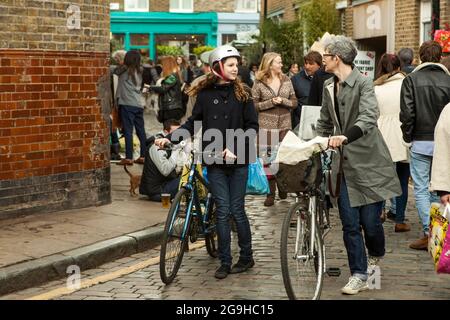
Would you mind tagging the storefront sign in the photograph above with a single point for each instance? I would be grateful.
(365, 62)
(371, 19)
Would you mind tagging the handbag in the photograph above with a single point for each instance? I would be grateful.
(257, 183)
(439, 238)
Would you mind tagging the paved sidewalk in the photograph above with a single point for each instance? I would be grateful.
(38, 247)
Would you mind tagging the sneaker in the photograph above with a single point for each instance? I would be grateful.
(421, 244)
(242, 266)
(222, 272)
(354, 286)
(373, 261)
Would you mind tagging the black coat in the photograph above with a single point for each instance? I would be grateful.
(316, 91)
(171, 99)
(302, 85)
(218, 108)
(425, 92)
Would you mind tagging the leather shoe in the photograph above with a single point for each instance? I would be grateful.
(421, 244)
(139, 160)
(270, 201)
(222, 272)
(242, 266)
(402, 227)
(123, 162)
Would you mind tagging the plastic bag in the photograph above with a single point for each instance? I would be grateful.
(257, 181)
(439, 239)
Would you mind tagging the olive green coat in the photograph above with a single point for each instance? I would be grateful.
(368, 168)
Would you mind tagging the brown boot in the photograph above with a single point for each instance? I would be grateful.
(270, 199)
(402, 227)
(421, 244)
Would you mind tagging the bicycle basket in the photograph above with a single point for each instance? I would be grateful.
(303, 176)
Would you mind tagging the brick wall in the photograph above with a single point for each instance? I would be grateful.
(445, 13)
(286, 5)
(54, 106)
(407, 25)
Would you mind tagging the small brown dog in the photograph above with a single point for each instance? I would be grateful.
(135, 181)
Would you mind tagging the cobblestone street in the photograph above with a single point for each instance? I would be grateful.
(406, 274)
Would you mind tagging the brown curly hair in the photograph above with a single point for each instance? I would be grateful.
(241, 90)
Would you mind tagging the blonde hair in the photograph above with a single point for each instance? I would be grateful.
(170, 66)
(264, 72)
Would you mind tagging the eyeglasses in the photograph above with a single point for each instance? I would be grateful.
(328, 55)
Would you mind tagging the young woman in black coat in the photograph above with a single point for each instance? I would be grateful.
(224, 108)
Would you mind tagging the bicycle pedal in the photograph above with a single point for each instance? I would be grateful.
(334, 272)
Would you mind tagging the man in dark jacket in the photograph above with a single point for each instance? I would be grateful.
(159, 174)
(406, 56)
(316, 91)
(302, 82)
(424, 94)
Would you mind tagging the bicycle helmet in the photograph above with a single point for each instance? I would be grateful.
(220, 53)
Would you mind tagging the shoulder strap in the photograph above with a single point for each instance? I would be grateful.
(337, 190)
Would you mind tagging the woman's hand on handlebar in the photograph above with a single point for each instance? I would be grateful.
(161, 142)
(337, 141)
(228, 155)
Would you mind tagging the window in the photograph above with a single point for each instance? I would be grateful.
(425, 20)
(136, 5)
(181, 6)
(139, 39)
(246, 6)
(227, 38)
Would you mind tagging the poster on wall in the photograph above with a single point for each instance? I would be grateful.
(365, 62)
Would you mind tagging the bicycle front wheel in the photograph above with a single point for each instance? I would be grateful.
(301, 265)
(175, 237)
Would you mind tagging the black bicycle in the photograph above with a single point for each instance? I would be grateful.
(191, 216)
(304, 228)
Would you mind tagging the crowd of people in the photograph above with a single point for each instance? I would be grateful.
(394, 128)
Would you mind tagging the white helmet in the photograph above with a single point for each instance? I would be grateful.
(222, 52)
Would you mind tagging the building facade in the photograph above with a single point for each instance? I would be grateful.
(54, 105)
(143, 24)
(378, 25)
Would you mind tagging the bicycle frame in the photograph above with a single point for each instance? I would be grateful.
(195, 177)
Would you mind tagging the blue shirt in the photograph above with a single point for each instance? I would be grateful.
(423, 147)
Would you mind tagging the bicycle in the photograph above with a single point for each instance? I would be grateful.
(305, 226)
(190, 217)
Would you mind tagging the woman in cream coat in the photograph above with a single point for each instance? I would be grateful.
(387, 90)
(440, 170)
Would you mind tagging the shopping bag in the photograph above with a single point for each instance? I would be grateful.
(439, 238)
(256, 180)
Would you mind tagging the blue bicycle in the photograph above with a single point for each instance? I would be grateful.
(190, 217)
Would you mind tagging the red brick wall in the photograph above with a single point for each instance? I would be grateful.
(50, 116)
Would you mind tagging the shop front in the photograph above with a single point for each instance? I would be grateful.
(143, 31)
(374, 28)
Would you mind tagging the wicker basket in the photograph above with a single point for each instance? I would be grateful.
(303, 176)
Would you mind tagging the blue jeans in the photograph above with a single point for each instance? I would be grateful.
(421, 174)
(170, 187)
(353, 218)
(228, 189)
(133, 117)
(398, 204)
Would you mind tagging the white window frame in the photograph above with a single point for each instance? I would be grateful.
(127, 7)
(179, 9)
(425, 17)
(242, 9)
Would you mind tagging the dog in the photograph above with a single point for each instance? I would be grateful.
(135, 181)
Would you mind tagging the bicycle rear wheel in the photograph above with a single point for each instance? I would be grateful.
(174, 242)
(301, 266)
(211, 238)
